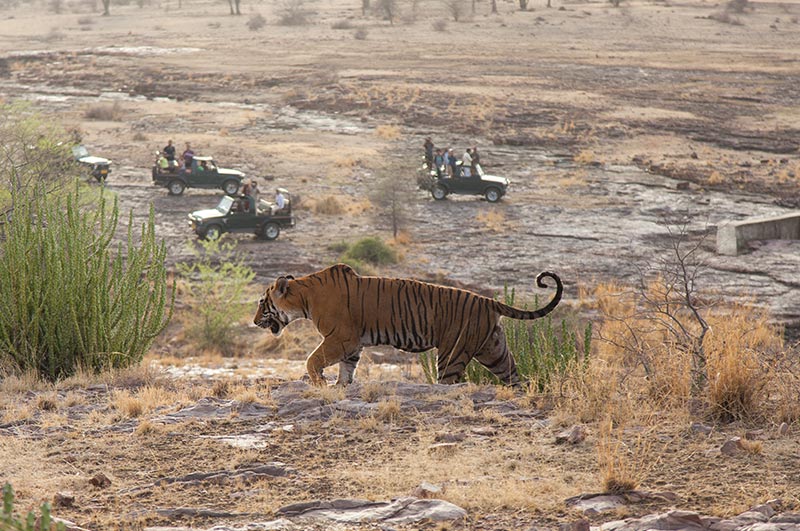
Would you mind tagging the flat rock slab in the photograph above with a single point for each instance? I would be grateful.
(397, 511)
(216, 409)
(753, 520)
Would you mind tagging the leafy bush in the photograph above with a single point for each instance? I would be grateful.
(371, 250)
(9, 522)
(217, 280)
(541, 350)
(67, 300)
(256, 22)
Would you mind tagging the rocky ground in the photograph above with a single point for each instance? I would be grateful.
(391, 455)
(615, 126)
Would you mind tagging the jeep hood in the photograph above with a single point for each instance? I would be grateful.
(205, 215)
(94, 160)
(495, 179)
(232, 173)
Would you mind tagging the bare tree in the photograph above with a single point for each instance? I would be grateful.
(669, 306)
(456, 8)
(392, 195)
(234, 5)
(388, 8)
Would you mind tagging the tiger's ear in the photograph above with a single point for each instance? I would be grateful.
(282, 285)
(289, 277)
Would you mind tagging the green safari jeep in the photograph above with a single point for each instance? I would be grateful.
(242, 213)
(203, 173)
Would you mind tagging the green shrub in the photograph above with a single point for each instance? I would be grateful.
(9, 522)
(371, 250)
(217, 281)
(541, 350)
(68, 298)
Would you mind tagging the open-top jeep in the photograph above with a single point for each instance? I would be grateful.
(242, 213)
(98, 167)
(466, 180)
(203, 173)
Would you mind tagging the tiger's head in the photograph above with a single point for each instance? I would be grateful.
(279, 306)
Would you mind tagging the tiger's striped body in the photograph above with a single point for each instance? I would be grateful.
(351, 312)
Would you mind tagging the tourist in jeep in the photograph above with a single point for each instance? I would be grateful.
(188, 156)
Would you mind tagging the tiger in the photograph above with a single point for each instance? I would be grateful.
(351, 311)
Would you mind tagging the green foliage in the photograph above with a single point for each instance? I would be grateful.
(543, 351)
(9, 522)
(36, 153)
(68, 299)
(217, 281)
(372, 251)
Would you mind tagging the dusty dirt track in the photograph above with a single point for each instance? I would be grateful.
(608, 122)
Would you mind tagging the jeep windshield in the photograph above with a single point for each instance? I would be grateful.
(225, 204)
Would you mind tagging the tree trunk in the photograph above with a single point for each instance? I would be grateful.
(548, 3)
(364, 7)
(106, 6)
(473, 7)
(494, 7)
(523, 5)
(238, 12)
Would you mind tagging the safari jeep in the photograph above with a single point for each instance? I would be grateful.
(465, 181)
(98, 167)
(203, 173)
(241, 213)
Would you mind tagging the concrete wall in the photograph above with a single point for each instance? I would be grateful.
(733, 237)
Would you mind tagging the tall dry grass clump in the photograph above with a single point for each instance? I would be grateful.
(745, 356)
(740, 349)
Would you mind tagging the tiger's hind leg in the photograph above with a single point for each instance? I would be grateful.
(495, 356)
(347, 367)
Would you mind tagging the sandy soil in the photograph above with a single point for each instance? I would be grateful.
(608, 121)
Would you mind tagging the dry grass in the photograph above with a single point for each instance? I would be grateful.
(586, 157)
(493, 221)
(388, 132)
(328, 394)
(329, 206)
(145, 400)
(389, 410)
(716, 178)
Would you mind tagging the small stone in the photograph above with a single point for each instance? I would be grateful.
(783, 429)
(574, 435)
(449, 437)
(580, 525)
(682, 185)
(732, 447)
(754, 435)
(64, 499)
(766, 509)
(100, 481)
(427, 490)
(698, 427)
(485, 431)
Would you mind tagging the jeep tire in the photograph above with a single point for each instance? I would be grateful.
(230, 187)
(438, 192)
(176, 187)
(492, 194)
